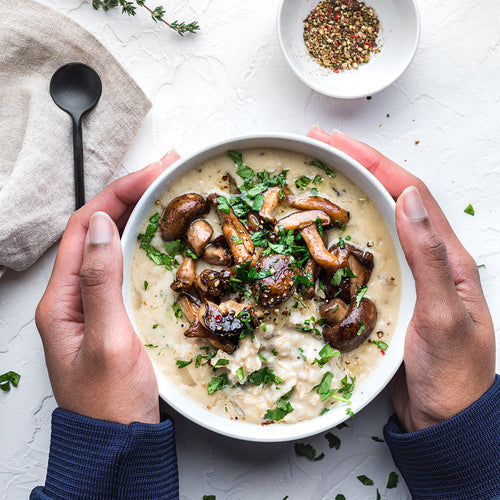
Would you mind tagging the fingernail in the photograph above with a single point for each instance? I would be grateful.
(100, 229)
(336, 131)
(414, 208)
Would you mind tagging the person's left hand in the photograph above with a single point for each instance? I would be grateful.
(97, 365)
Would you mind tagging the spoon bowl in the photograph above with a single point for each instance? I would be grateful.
(76, 88)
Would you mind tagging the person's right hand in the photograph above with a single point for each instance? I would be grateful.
(449, 359)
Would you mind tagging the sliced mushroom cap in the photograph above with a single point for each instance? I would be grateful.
(317, 249)
(179, 214)
(310, 202)
(355, 328)
(278, 286)
(361, 264)
(212, 285)
(270, 203)
(333, 312)
(185, 276)
(300, 220)
(198, 236)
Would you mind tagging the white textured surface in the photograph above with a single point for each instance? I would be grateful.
(232, 79)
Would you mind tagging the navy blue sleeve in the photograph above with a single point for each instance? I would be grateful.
(455, 459)
(95, 459)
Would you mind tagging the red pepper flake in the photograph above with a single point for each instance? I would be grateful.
(218, 318)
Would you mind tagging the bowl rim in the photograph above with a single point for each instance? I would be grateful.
(337, 95)
(386, 367)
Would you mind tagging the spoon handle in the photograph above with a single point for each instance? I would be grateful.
(78, 163)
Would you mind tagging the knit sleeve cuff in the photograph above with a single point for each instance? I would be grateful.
(96, 459)
(458, 458)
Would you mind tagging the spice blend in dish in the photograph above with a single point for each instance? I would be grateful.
(265, 285)
(341, 34)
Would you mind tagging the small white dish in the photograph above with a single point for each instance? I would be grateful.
(389, 363)
(398, 40)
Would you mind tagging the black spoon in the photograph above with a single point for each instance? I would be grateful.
(76, 89)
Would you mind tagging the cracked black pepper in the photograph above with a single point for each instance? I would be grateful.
(341, 34)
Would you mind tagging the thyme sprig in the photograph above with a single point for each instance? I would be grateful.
(157, 14)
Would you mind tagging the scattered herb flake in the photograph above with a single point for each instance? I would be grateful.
(177, 310)
(365, 480)
(146, 284)
(333, 440)
(239, 374)
(339, 497)
(306, 450)
(361, 294)
(217, 383)
(469, 209)
(392, 480)
(377, 439)
(9, 378)
(303, 182)
(322, 166)
(181, 364)
(282, 409)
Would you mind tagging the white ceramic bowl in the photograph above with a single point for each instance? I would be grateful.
(388, 365)
(398, 38)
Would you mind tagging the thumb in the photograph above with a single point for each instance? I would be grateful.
(425, 251)
(101, 278)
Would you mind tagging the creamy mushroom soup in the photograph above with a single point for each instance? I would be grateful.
(265, 286)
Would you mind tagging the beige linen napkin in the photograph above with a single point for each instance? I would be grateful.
(36, 143)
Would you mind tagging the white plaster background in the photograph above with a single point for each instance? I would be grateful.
(231, 79)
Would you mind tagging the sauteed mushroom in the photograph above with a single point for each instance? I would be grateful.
(333, 312)
(217, 255)
(361, 264)
(300, 220)
(355, 328)
(185, 276)
(309, 202)
(270, 203)
(317, 248)
(237, 237)
(311, 271)
(211, 284)
(198, 235)
(278, 286)
(229, 319)
(179, 214)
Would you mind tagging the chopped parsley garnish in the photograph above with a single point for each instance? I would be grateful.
(174, 247)
(314, 192)
(182, 364)
(264, 376)
(339, 497)
(301, 353)
(343, 272)
(146, 284)
(274, 352)
(323, 388)
(282, 409)
(258, 202)
(349, 412)
(327, 352)
(303, 279)
(342, 425)
(361, 294)
(155, 326)
(207, 357)
(347, 386)
(317, 179)
(209, 497)
(333, 440)
(469, 209)
(377, 439)
(319, 226)
(365, 480)
(361, 327)
(261, 356)
(380, 344)
(223, 204)
(323, 411)
(306, 450)
(217, 383)
(9, 378)
(152, 346)
(303, 182)
(222, 362)
(322, 166)
(392, 480)
(177, 310)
